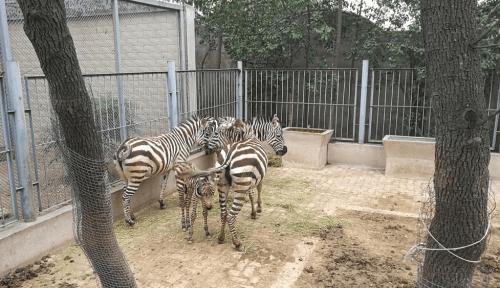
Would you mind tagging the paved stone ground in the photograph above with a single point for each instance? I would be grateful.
(276, 260)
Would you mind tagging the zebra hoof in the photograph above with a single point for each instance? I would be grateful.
(162, 204)
(190, 241)
(184, 229)
(220, 241)
(131, 223)
(259, 210)
(253, 215)
(239, 247)
(208, 235)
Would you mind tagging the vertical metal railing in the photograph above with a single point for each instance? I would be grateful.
(308, 98)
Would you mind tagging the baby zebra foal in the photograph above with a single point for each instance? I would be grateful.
(200, 188)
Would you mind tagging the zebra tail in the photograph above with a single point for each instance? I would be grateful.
(123, 152)
(192, 173)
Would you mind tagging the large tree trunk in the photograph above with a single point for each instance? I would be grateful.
(46, 27)
(462, 143)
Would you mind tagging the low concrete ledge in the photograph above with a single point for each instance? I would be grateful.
(353, 154)
(409, 157)
(23, 243)
(307, 148)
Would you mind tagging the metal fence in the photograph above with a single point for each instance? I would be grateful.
(399, 105)
(314, 98)
(208, 92)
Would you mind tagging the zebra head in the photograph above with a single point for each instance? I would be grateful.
(229, 130)
(273, 134)
(207, 126)
(206, 189)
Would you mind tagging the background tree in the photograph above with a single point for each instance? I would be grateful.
(46, 27)
(461, 179)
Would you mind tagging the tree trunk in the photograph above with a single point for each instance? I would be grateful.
(46, 27)
(339, 35)
(462, 143)
(219, 40)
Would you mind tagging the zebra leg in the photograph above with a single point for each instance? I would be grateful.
(193, 218)
(253, 214)
(259, 201)
(163, 188)
(238, 201)
(223, 211)
(181, 190)
(205, 222)
(127, 195)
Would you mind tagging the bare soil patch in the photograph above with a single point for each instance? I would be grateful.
(331, 228)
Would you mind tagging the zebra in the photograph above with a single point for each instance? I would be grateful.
(265, 129)
(200, 188)
(140, 158)
(244, 164)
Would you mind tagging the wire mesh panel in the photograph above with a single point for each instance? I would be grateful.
(8, 208)
(314, 98)
(145, 107)
(215, 92)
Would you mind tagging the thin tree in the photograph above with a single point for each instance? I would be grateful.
(219, 31)
(339, 34)
(46, 27)
(461, 176)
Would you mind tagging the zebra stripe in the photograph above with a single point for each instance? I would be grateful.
(265, 129)
(244, 164)
(138, 159)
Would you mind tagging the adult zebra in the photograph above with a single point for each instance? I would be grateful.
(245, 165)
(140, 158)
(265, 129)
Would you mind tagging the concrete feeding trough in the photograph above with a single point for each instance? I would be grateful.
(409, 157)
(307, 148)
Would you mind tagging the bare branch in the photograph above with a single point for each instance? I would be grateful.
(485, 32)
(492, 116)
(486, 46)
(493, 11)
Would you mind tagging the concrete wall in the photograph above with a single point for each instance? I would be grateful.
(353, 154)
(25, 242)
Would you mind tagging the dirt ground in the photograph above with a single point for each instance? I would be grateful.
(337, 227)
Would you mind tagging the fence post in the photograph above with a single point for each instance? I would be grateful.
(173, 110)
(16, 112)
(239, 93)
(119, 79)
(362, 107)
(245, 102)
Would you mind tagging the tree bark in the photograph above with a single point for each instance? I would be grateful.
(339, 35)
(219, 40)
(46, 27)
(461, 176)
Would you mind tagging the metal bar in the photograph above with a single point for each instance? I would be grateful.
(173, 109)
(371, 107)
(156, 4)
(496, 119)
(33, 145)
(362, 109)
(245, 103)
(119, 80)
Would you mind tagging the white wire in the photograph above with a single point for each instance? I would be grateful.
(421, 246)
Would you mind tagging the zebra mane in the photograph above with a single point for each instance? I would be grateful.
(262, 119)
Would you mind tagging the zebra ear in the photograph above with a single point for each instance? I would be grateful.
(275, 120)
